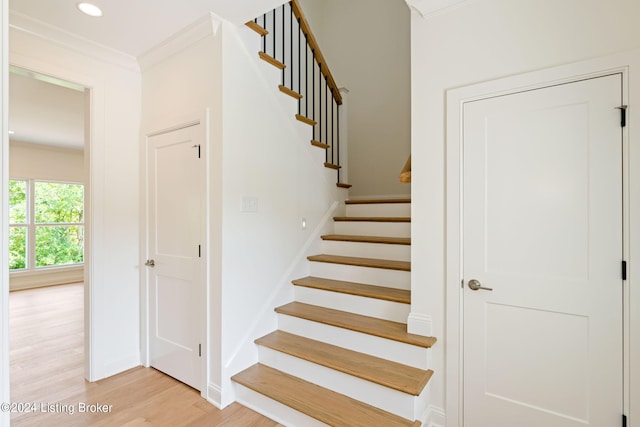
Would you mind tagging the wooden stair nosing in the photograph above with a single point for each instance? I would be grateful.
(385, 264)
(319, 144)
(367, 239)
(402, 296)
(306, 120)
(271, 60)
(401, 219)
(343, 185)
(317, 402)
(257, 28)
(396, 376)
(287, 91)
(394, 331)
(375, 201)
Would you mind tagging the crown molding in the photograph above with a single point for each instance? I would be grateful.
(203, 27)
(430, 8)
(71, 41)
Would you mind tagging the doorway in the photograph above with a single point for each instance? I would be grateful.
(49, 177)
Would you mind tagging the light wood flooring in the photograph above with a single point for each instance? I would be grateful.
(47, 369)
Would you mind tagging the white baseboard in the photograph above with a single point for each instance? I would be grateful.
(420, 324)
(21, 280)
(434, 417)
(381, 196)
(214, 395)
(117, 366)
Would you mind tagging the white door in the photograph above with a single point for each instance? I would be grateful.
(542, 227)
(175, 265)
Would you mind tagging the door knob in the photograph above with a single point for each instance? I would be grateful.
(475, 285)
(150, 263)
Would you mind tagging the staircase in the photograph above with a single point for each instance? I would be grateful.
(342, 355)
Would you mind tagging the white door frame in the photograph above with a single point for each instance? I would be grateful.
(202, 119)
(629, 65)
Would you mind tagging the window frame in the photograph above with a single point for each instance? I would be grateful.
(31, 225)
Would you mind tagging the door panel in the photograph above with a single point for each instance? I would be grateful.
(176, 290)
(542, 227)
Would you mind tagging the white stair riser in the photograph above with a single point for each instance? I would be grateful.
(379, 209)
(370, 228)
(385, 398)
(373, 276)
(367, 250)
(388, 310)
(274, 410)
(406, 354)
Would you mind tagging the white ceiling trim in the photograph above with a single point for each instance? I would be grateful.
(26, 24)
(195, 32)
(430, 8)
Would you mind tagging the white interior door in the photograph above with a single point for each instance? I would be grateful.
(542, 227)
(175, 265)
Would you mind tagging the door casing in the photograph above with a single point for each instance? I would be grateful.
(456, 98)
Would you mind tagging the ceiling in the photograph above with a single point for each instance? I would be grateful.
(52, 114)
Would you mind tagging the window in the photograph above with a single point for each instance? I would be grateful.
(46, 224)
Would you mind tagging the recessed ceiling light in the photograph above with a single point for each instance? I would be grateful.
(90, 9)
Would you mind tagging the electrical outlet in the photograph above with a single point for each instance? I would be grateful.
(249, 204)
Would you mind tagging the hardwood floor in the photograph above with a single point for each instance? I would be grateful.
(47, 373)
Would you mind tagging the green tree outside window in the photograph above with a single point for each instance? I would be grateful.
(57, 229)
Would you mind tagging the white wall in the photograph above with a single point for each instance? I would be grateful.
(367, 46)
(112, 217)
(33, 161)
(266, 154)
(4, 209)
(480, 41)
(256, 149)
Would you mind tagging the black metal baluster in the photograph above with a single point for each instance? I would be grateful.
(338, 137)
(326, 113)
(332, 129)
(320, 103)
(283, 46)
(264, 39)
(291, 46)
(273, 37)
(313, 86)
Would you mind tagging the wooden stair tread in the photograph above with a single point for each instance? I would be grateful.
(386, 264)
(287, 91)
(368, 239)
(373, 218)
(317, 402)
(344, 185)
(359, 289)
(375, 201)
(368, 325)
(257, 28)
(271, 60)
(319, 144)
(331, 165)
(406, 379)
(306, 120)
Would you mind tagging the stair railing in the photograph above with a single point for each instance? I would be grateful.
(305, 75)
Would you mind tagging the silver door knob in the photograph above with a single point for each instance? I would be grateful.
(150, 263)
(475, 285)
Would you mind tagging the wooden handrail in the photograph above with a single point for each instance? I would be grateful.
(313, 44)
(405, 175)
